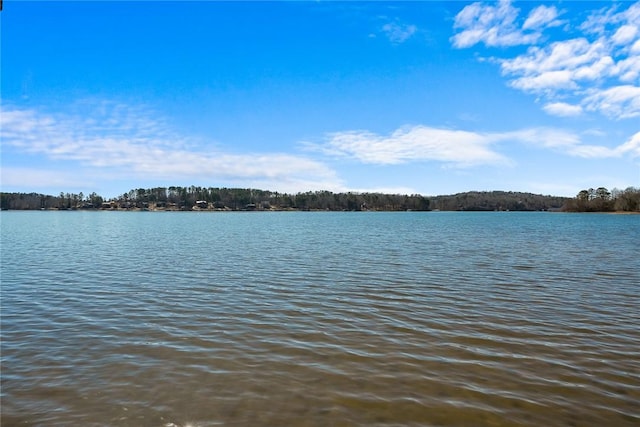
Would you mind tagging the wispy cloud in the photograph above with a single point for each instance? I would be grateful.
(129, 141)
(397, 32)
(499, 25)
(459, 148)
(617, 102)
(571, 144)
(598, 72)
(542, 17)
(562, 109)
(418, 143)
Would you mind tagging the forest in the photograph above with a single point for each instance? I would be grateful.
(236, 199)
(202, 198)
(603, 200)
(497, 201)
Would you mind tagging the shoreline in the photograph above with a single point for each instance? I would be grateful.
(219, 210)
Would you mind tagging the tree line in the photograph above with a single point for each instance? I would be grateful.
(188, 198)
(497, 201)
(210, 198)
(603, 200)
(29, 201)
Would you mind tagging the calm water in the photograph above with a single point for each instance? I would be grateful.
(320, 319)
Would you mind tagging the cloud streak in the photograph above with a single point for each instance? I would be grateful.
(458, 148)
(127, 141)
(562, 109)
(411, 144)
(114, 142)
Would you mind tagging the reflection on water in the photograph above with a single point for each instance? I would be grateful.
(320, 319)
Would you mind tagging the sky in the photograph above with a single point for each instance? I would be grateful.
(417, 97)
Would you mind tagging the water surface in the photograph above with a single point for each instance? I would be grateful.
(320, 319)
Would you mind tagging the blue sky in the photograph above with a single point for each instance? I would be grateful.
(399, 97)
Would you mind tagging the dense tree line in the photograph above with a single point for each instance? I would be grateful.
(497, 201)
(241, 198)
(603, 200)
(186, 198)
(22, 201)
(194, 197)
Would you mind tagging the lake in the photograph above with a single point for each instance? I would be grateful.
(320, 319)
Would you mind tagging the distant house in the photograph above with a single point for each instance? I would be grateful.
(106, 205)
(202, 204)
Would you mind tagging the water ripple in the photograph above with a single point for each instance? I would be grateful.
(425, 319)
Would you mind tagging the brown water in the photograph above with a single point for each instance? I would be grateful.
(320, 319)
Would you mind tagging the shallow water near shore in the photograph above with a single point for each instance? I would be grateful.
(320, 319)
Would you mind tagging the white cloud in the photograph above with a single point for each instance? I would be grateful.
(594, 71)
(617, 102)
(571, 144)
(128, 142)
(562, 109)
(542, 137)
(600, 21)
(546, 81)
(399, 33)
(628, 69)
(599, 71)
(542, 16)
(630, 147)
(559, 66)
(112, 142)
(498, 26)
(418, 143)
(625, 34)
(457, 147)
